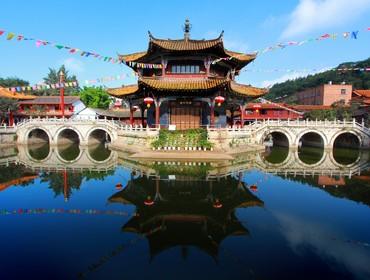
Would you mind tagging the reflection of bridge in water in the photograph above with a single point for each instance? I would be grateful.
(82, 158)
(85, 158)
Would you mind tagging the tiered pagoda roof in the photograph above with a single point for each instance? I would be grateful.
(187, 85)
(192, 220)
(221, 67)
(213, 46)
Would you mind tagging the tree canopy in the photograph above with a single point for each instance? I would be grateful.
(12, 82)
(359, 80)
(95, 97)
(53, 78)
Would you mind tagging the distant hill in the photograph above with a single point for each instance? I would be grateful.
(359, 80)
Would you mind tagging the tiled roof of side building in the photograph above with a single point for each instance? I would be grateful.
(5, 93)
(43, 100)
(362, 92)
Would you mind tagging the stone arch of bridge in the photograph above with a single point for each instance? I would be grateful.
(313, 165)
(97, 161)
(340, 165)
(283, 164)
(63, 128)
(64, 161)
(34, 128)
(32, 159)
(110, 132)
(341, 132)
(314, 131)
(276, 130)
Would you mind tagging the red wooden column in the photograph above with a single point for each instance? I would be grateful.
(242, 111)
(157, 109)
(11, 118)
(61, 91)
(212, 116)
(131, 115)
(65, 186)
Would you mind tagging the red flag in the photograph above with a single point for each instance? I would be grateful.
(2, 32)
(325, 36)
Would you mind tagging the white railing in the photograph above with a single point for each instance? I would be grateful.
(294, 123)
(7, 129)
(73, 121)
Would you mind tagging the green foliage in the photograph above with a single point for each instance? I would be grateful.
(182, 138)
(95, 97)
(12, 82)
(53, 78)
(338, 111)
(196, 170)
(359, 80)
(7, 104)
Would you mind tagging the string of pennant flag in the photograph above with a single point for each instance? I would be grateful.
(43, 86)
(345, 35)
(71, 84)
(313, 70)
(133, 74)
(72, 50)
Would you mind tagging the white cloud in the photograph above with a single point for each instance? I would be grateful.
(303, 234)
(314, 15)
(74, 65)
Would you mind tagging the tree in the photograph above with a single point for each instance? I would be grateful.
(6, 105)
(95, 97)
(53, 78)
(359, 80)
(12, 82)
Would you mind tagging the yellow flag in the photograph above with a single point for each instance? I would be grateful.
(10, 36)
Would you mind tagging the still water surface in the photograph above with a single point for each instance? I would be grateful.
(74, 213)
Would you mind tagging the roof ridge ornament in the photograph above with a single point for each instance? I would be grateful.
(187, 27)
(221, 35)
(151, 37)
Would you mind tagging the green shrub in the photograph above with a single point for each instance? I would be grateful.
(180, 138)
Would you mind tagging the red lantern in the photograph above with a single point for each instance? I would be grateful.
(149, 201)
(219, 100)
(253, 188)
(148, 101)
(217, 204)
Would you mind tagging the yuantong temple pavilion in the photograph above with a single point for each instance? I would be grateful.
(187, 83)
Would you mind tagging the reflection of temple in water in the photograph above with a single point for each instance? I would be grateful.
(185, 211)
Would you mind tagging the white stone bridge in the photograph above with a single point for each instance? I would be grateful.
(293, 133)
(290, 133)
(85, 132)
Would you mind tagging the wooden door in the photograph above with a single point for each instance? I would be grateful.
(185, 117)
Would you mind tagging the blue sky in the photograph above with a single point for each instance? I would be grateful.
(110, 27)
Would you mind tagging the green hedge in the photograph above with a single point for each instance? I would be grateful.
(182, 138)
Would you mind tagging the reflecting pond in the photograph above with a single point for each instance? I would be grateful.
(73, 212)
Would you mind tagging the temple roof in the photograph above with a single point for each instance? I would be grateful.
(187, 85)
(214, 47)
(5, 93)
(186, 44)
(45, 100)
